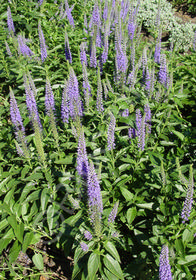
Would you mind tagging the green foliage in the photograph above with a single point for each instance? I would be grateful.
(42, 195)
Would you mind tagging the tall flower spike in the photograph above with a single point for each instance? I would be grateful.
(157, 53)
(10, 22)
(147, 111)
(15, 113)
(42, 43)
(31, 103)
(83, 57)
(99, 104)
(163, 75)
(111, 130)
(88, 235)
(75, 103)
(96, 16)
(164, 266)
(94, 198)
(23, 48)
(49, 98)
(86, 86)
(113, 213)
(50, 109)
(140, 124)
(19, 128)
(194, 41)
(93, 59)
(65, 106)
(186, 211)
(82, 159)
(8, 49)
(67, 49)
(69, 15)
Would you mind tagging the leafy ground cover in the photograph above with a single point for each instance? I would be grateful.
(97, 144)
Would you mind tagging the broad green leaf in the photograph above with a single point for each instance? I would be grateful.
(127, 194)
(188, 260)
(93, 265)
(179, 246)
(27, 241)
(110, 247)
(50, 216)
(38, 261)
(44, 199)
(113, 266)
(19, 231)
(14, 251)
(145, 205)
(187, 236)
(131, 214)
(109, 275)
(178, 134)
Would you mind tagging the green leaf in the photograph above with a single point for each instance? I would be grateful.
(36, 176)
(19, 231)
(167, 143)
(25, 170)
(127, 194)
(14, 252)
(109, 246)
(38, 261)
(146, 205)
(93, 265)
(113, 266)
(44, 199)
(110, 275)
(188, 260)
(131, 214)
(50, 215)
(178, 134)
(67, 160)
(187, 236)
(27, 241)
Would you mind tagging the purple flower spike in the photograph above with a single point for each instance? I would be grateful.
(23, 48)
(140, 124)
(15, 113)
(67, 49)
(125, 113)
(84, 246)
(49, 98)
(86, 85)
(94, 194)
(186, 211)
(8, 49)
(65, 106)
(93, 59)
(42, 43)
(75, 103)
(113, 213)
(96, 16)
(105, 10)
(82, 159)
(69, 15)
(10, 22)
(164, 266)
(99, 104)
(111, 130)
(147, 118)
(163, 76)
(83, 57)
(194, 41)
(88, 235)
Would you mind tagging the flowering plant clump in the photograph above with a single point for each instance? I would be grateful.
(96, 140)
